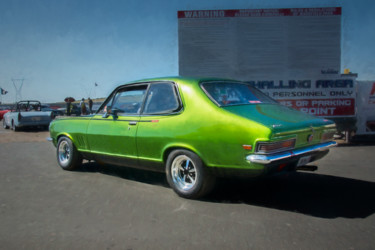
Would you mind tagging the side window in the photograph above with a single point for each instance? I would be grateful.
(161, 99)
(127, 101)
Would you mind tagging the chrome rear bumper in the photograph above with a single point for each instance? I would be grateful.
(266, 159)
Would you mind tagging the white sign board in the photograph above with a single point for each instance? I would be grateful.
(260, 44)
(293, 55)
(325, 96)
(366, 107)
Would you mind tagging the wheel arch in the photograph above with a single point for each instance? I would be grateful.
(167, 150)
(64, 135)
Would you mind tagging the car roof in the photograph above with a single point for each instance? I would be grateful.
(185, 79)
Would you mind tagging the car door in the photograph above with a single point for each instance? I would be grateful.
(111, 132)
(160, 123)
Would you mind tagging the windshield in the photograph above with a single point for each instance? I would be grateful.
(28, 106)
(234, 93)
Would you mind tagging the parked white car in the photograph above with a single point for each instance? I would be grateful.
(27, 114)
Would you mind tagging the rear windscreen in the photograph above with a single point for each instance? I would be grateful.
(234, 93)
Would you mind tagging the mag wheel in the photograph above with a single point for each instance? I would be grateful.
(68, 156)
(187, 175)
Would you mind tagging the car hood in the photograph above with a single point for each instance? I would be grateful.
(277, 117)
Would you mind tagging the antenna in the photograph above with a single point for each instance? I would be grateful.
(18, 88)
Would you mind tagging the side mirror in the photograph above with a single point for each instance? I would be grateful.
(112, 112)
(106, 114)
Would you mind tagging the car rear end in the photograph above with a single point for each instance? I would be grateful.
(289, 139)
(37, 118)
(291, 150)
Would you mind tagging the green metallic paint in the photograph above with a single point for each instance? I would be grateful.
(215, 134)
(113, 136)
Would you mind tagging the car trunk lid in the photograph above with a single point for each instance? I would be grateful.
(284, 121)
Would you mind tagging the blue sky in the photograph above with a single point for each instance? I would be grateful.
(63, 47)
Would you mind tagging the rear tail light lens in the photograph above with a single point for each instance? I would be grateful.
(272, 147)
(19, 116)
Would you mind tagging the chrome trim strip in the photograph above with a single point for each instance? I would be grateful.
(266, 159)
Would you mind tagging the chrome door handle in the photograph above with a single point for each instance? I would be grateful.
(132, 123)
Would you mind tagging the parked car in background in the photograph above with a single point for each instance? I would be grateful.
(95, 107)
(27, 114)
(76, 110)
(193, 129)
(55, 111)
(3, 112)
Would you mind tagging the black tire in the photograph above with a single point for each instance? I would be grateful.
(5, 126)
(187, 175)
(14, 127)
(67, 154)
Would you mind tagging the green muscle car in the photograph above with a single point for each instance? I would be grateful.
(193, 129)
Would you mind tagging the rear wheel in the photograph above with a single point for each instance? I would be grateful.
(187, 175)
(5, 126)
(68, 156)
(14, 127)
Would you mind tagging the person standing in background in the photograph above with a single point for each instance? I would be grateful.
(83, 106)
(90, 105)
(68, 108)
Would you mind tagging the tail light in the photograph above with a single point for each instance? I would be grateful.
(19, 116)
(273, 147)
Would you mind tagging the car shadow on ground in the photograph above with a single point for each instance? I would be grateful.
(32, 129)
(358, 141)
(313, 194)
(357, 144)
(149, 177)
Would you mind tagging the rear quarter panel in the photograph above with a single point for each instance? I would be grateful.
(8, 117)
(215, 134)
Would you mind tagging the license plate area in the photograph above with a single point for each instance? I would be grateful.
(303, 160)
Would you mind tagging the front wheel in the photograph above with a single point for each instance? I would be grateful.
(187, 175)
(68, 156)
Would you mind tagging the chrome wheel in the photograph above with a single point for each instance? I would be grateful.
(64, 152)
(183, 172)
(68, 156)
(187, 174)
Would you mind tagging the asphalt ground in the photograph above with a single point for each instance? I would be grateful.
(107, 207)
